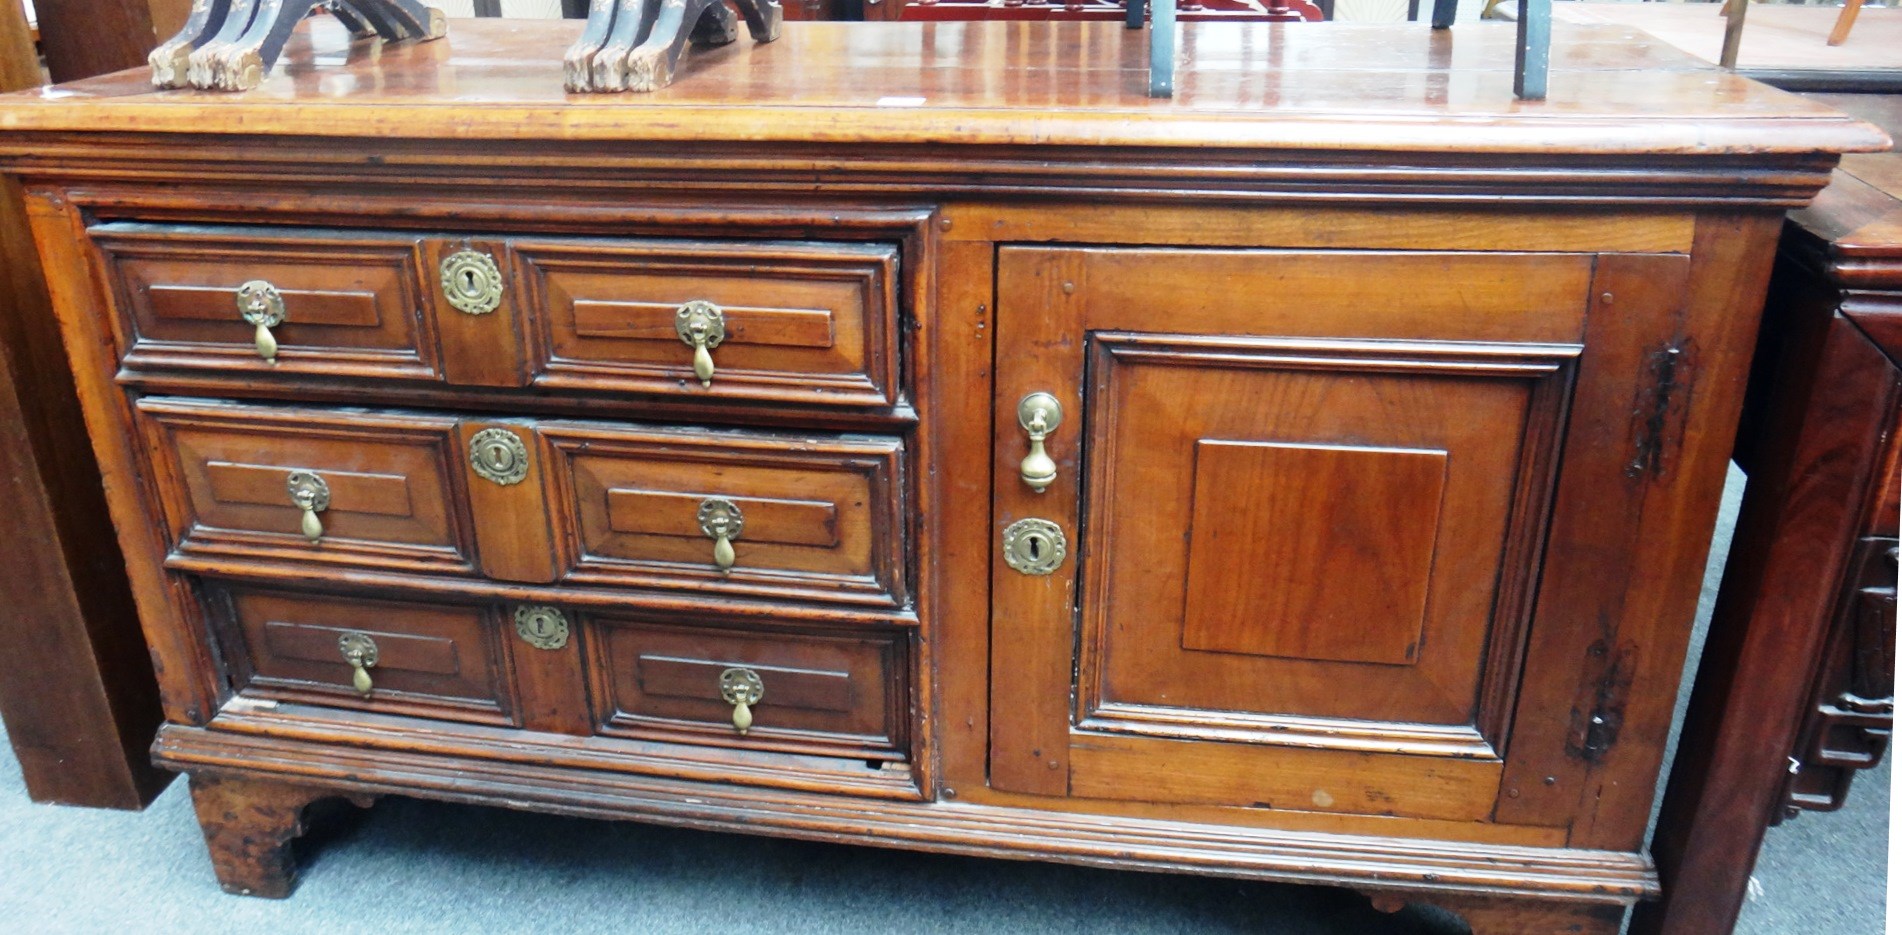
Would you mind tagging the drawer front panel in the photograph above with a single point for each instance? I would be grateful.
(352, 302)
(817, 518)
(805, 323)
(432, 660)
(393, 496)
(819, 692)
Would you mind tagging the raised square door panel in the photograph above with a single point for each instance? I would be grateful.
(436, 659)
(1304, 496)
(334, 486)
(822, 692)
(334, 303)
(1294, 518)
(751, 514)
(807, 323)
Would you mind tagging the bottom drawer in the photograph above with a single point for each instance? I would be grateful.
(831, 692)
(433, 660)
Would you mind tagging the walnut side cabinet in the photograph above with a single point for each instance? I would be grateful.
(914, 435)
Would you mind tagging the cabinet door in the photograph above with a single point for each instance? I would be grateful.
(1302, 497)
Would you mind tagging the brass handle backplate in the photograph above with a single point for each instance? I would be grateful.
(1039, 414)
(701, 326)
(721, 520)
(311, 494)
(260, 304)
(1034, 546)
(472, 282)
(742, 688)
(359, 650)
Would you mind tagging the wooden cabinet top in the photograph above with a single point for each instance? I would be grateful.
(1859, 216)
(1338, 87)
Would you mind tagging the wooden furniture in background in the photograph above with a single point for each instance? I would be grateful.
(78, 696)
(725, 460)
(82, 38)
(1793, 694)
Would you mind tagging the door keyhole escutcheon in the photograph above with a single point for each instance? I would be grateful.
(1034, 546)
(498, 456)
(472, 282)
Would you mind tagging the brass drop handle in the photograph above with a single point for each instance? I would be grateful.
(1039, 414)
(360, 651)
(722, 521)
(701, 326)
(311, 494)
(742, 688)
(260, 304)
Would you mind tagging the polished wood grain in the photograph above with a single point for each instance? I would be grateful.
(1496, 346)
(1082, 84)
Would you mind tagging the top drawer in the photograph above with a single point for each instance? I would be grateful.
(803, 324)
(337, 303)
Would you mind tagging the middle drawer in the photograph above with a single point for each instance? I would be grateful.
(770, 516)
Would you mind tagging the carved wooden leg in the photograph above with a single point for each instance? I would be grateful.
(1516, 916)
(763, 18)
(249, 825)
(633, 19)
(172, 58)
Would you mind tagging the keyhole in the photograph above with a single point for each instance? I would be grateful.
(469, 281)
(498, 457)
(1035, 545)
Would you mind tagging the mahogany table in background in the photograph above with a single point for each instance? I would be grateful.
(1794, 692)
(77, 693)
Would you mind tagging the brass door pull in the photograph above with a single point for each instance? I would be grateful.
(1039, 414)
(721, 520)
(701, 326)
(260, 304)
(742, 688)
(311, 494)
(360, 651)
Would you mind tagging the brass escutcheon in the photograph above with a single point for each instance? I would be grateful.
(359, 650)
(1034, 546)
(541, 626)
(722, 521)
(742, 688)
(311, 494)
(701, 326)
(498, 455)
(472, 282)
(260, 304)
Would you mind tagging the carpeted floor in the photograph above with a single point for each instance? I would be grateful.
(419, 867)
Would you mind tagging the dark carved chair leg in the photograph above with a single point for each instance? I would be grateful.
(249, 825)
(633, 21)
(652, 64)
(359, 27)
(578, 64)
(202, 68)
(172, 59)
(763, 18)
(1516, 916)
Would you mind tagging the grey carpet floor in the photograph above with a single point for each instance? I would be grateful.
(421, 867)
